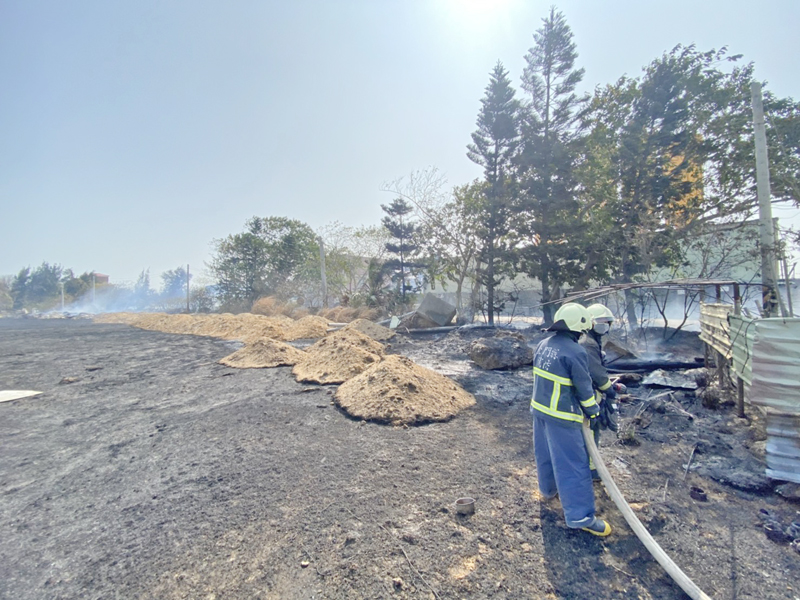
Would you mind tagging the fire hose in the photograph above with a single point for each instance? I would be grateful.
(672, 569)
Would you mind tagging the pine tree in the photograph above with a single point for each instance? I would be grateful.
(494, 145)
(402, 231)
(549, 209)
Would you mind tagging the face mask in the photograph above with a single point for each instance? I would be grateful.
(601, 328)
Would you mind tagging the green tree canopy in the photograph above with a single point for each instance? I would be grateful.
(402, 244)
(494, 145)
(270, 255)
(550, 217)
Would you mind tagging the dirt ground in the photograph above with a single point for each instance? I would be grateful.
(147, 469)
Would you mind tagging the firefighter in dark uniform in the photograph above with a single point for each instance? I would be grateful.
(592, 342)
(562, 397)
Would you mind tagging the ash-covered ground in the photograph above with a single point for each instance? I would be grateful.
(147, 469)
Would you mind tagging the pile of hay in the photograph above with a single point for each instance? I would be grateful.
(264, 354)
(271, 307)
(400, 392)
(373, 330)
(305, 328)
(338, 357)
(246, 327)
(346, 314)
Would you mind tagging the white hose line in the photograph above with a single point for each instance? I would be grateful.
(674, 571)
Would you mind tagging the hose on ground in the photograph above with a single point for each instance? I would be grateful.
(673, 570)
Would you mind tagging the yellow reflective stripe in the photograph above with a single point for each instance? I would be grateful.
(605, 386)
(551, 377)
(566, 416)
(588, 403)
(555, 396)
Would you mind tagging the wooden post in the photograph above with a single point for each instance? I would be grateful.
(740, 397)
(737, 310)
(705, 346)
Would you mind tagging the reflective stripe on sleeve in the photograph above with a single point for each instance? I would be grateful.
(605, 386)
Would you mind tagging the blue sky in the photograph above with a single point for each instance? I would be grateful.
(134, 133)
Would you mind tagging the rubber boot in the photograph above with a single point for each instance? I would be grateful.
(599, 527)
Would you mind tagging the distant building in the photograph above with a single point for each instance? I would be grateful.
(100, 278)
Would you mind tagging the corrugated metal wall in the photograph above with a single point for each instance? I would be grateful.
(742, 332)
(714, 328)
(765, 354)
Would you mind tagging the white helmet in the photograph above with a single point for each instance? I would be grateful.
(601, 313)
(602, 318)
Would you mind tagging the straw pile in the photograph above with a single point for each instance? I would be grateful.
(373, 330)
(246, 327)
(264, 354)
(400, 392)
(338, 357)
(307, 327)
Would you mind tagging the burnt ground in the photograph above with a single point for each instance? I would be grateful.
(159, 473)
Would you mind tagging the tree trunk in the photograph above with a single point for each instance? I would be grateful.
(490, 282)
(547, 309)
(630, 299)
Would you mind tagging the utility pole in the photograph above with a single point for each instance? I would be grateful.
(769, 287)
(322, 273)
(93, 288)
(62, 296)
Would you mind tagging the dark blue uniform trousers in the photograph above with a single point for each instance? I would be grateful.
(562, 464)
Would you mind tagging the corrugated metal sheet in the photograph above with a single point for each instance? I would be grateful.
(775, 385)
(783, 447)
(742, 333)
(766, 355)
(714, 327)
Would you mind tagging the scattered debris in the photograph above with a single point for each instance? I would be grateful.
(506, 350)
(94, 368)
(790, 491)
(682, 380)
(67, 380)
(698, 494)
(9, 395)
(436, 310)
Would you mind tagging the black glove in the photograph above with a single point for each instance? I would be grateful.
(608, 415)
(594, 422)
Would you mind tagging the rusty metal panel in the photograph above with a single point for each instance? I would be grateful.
(714, 328)
(742, 332)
